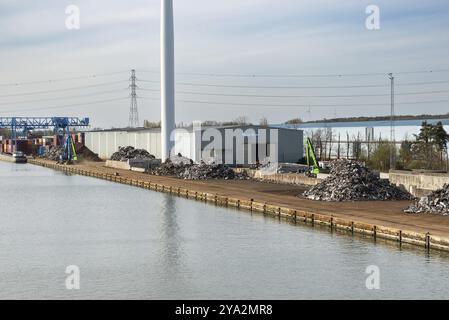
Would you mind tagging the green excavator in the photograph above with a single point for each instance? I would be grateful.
(312, 161)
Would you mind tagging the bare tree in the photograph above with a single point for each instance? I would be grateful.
(329, 140)
(294, 121)
(318, 141)
(150, 124)
(357, 147)
(347, 145)
(241, 121)
(338, 148)
(263, 122)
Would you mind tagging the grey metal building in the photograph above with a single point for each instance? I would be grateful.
(232, 144)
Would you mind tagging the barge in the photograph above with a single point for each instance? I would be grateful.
(16, 157)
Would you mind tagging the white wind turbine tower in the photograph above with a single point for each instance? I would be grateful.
(167, 77)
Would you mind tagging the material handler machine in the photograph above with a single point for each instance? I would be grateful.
(312, 162)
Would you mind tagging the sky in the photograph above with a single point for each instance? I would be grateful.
(277, 59)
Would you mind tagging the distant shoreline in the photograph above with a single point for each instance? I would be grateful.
(381, 118)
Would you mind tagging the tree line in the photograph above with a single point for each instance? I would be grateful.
(426, 150)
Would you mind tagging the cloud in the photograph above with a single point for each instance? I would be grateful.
(233, 36)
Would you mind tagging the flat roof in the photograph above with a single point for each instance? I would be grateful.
(191, 128)
(369, 123)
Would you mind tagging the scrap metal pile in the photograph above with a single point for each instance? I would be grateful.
(437, 202)
(204, 171)
(352, 181)
(184, 168)
(83, 153)
(172, 166)
(126, 153)
(54, 153)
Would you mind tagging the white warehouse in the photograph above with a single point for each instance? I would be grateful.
(232, 145)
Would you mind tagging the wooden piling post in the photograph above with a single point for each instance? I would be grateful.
(375, 233)
(428, 241)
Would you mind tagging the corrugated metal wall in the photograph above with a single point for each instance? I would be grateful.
(105, 143)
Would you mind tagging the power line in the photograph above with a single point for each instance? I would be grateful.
(64, 106)
(62, 90)
(269, 87)
(420, 92)
(197, 93)
(234, 75)
(302, 87)
(420, 102)
(50, 81)
(420, 83)
(61, 98)
(299, 105)
(423, 71)
(222, 103)
(338, 75)
(302, 96)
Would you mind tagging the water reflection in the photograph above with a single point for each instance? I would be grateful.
(172, 255)
(171, 243)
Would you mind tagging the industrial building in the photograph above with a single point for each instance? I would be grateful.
(225, 143)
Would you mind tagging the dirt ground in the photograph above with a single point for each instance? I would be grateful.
(382, 213)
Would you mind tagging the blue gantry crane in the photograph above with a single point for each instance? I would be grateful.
(21, 126)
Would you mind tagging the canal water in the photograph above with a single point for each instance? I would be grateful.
(130, 243)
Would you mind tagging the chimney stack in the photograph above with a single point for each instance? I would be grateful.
(167, 77)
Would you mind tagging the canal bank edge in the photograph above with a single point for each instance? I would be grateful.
(10, 158)
(425, 240)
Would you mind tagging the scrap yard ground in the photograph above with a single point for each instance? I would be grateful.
(382, 213)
